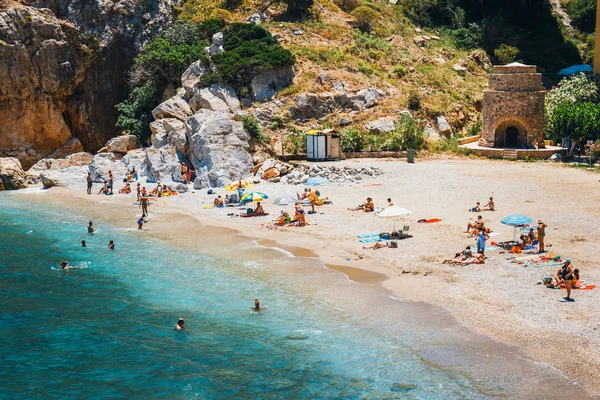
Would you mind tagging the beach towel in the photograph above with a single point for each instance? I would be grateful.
(429, 221)
(368, 235)
(586, 287)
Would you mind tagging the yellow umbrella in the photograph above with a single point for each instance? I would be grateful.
(233, 186)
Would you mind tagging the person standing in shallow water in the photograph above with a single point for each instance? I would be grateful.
(89, 183)
(256, 305)
(180, 325)
(111, 245)
(91, 227)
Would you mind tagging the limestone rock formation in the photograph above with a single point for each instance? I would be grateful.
(12, 176)
(175, 107)
(264, 86)
(192, 75)
(162, 165)
(381, 125)
(311, 105)
(63, 67)
(103, 163)
(67, 177)
(53, 164)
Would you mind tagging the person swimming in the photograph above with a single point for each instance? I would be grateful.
(83, 243)
(180, 325)
(91, 228)
(65, 265)
(256, 305)
(111, 245)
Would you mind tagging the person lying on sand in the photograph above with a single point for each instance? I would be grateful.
(376, 246)
(479, 259)
(475, 225)
(180, 325)
(258, 211)
(460, 256)
(490, 205)
(477, 208)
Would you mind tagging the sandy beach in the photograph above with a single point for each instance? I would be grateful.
(500, 299)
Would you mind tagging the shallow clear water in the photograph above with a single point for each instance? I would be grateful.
(106, 331)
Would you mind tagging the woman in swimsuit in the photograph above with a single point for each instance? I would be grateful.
(567, 275)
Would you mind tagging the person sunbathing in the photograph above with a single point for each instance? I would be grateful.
(258, 211)
(104, 188)
(475, 225)
(125, 189)
(460, 256)
(301, 218)
(368, 206)
(479, 259)
(132, 175)
(219, 202)
(477, 208)
(490, 205)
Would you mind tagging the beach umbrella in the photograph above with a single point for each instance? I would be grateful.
(285, 200)
(394, 212)
(233, 186)
(255, 196)
(516, 220)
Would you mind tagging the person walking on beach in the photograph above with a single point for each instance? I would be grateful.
(139, 191)
(109, 182)
(567, 275)
(89, 183)
(481, 238)
(91, 228)
(180, 325)
(111, 245)
(144, 203)
(542, 235)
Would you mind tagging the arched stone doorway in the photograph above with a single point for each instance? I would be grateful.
(511, 134)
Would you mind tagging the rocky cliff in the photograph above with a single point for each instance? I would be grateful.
(63, 66)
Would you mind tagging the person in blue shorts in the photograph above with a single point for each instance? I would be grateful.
(481, 238)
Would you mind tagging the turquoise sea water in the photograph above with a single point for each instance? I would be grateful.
(106, 331)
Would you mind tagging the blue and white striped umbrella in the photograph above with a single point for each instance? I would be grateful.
(516, 220)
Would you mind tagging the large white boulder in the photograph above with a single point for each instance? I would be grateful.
(12, 176)
(204, 99)
(264, 86)
(192, 75)
(175, 107)
(103, 163)
(67, 177)
(162, 165)
(219, 143)
(122, 144)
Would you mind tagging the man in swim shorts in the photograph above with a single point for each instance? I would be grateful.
(180, 325)
(89, 183)
(144, 203)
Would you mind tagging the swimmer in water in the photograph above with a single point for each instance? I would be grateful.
(111, 245)
(179, 326)
(83, 243)
(91, 228)
(65, 265)
(256, 305)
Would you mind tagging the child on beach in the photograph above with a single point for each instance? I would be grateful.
(477, 208)
(481, 238)
(141, 222)
(489, 206)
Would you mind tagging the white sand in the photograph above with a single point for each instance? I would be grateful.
(498, 299)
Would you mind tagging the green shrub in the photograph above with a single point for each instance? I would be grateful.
(135, 113)
(365, 18)
(348, 5)
(435, 13)
(506, 54)
(414, 100)
(374, 141)
(409, 134)
(579, 88)
(577, 121)
(249, 51)
(365, 68)
(352, 140)
(583, 14)
(253, 128)
(295, 143)
(475, 127)
(400, 71)
(468, 38)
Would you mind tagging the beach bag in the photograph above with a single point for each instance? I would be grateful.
(210, 191)
(516, 249)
